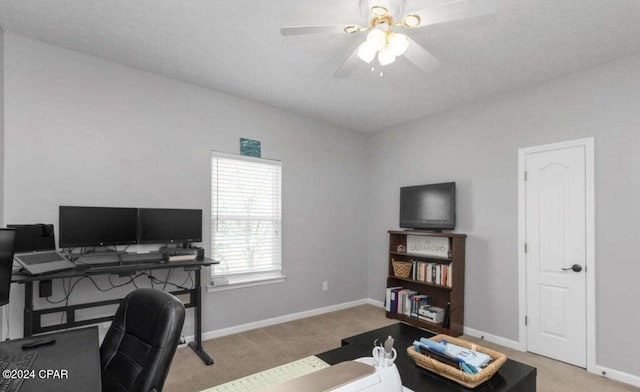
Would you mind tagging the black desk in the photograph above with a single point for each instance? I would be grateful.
(32, 317)
(75, 351)
(513, 376)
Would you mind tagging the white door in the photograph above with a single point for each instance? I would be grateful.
(556, 253)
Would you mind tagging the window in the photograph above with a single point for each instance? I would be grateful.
(246, 220)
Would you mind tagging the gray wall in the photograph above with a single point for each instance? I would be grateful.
(96, 133)
(84, 131)
(477, 145)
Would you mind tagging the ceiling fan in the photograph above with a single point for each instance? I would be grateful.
(384, 21)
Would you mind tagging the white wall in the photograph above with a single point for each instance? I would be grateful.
(84, 131)
(476, 146)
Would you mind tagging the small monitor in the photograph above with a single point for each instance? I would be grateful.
(166, 225)
(7, 237)
(97, 226)
(33, 238)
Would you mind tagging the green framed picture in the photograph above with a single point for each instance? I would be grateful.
(250, 147)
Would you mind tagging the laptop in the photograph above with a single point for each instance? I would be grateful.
(35, 249)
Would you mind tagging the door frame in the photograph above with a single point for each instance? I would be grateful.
(590, 262)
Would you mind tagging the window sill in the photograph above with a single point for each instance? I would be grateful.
(222, 283)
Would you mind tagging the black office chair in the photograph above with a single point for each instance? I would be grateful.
(138, 348)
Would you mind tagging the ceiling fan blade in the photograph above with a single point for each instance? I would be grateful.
(453, 10)
(348, 65)
(303, 30)
(420, 57)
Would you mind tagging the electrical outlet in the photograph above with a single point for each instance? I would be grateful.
(325, 286)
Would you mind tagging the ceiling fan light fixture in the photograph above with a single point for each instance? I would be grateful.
(411, 21)
(366, 52)
(378, 10)
(386, 56)
(397, 43)
(376, 39)
(352, 29)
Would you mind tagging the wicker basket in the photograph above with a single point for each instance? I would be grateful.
(401, 269)
(455, 374)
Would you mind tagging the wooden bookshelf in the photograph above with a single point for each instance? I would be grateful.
(439, 294)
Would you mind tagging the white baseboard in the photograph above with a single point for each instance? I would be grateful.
(373, 302)
(599, 370)
(618, 375)
(283, 319)
(512, 344)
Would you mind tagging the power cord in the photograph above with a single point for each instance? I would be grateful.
(68, 288)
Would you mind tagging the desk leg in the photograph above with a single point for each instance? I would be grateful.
(196, 345)
(28, 310)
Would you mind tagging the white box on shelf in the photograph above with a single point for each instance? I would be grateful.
(428, 246)
(433, 314)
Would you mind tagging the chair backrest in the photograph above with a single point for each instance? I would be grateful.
(137, 350)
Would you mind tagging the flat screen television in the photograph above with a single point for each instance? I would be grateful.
(97, 226)
(428, 207)
(170, 225)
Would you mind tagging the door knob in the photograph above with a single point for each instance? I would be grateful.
(574, 268)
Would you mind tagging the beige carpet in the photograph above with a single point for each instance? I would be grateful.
(245, 353)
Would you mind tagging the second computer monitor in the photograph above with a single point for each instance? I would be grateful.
(168, 225)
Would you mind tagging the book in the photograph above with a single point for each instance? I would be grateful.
(469, 356)
(416, 302)
(387, 298)
(445, 322)
(181, 257)
(414, 269)
(394, 299)
(405, 301)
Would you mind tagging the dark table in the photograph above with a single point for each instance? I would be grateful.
(75, 351)
(513, 376)
(33, 317)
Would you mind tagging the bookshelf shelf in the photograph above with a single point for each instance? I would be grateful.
(418, 256)
(437, 286)
(440, 295)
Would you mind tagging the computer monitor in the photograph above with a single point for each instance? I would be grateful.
(33, 238)
(7, 238)
(97, 226)
(170, 225)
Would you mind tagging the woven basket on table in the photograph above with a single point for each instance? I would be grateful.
(401, 269)
(453, 373)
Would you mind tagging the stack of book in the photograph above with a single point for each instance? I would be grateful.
(410, 303)
(434, 273)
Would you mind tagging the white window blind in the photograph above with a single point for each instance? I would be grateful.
(246, 217)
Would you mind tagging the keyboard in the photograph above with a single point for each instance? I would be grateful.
(39, 258)
(15, 362)
(98, 259)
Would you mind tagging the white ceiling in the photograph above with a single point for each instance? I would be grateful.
(235, 46)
